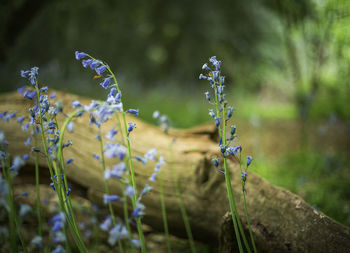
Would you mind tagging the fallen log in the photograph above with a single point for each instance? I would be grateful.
(281, 221)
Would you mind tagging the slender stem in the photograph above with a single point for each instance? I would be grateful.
(162, 202)
(232, 201)
(38, 202)
(245, 206)
(76, 234)
(181, 204)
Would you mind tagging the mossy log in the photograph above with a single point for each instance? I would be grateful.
(281, 221)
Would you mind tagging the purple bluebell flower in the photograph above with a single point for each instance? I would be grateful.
(106, 82)
(25, 73)
(59, 237)
(109, 198)
(106, 224)
(20, 120)
(100, 70)
(201, 76)
(37, 241)
(67, 144)
(211, 113)
(217, 121)
(28, 142)
(44, 89)
(114, 150)
(58, 249)
(57, 226)
(156, 114)
(233, 130)
(24, 210)
(94, 64)
(206, 67)
(25, 157)
(118, 232)
(138, 211)
(96, 156)
(207, 95)
(53, 95)
(136, 243)
(244, 176)
(70, 127)
(216, 77)
(249, 160)
(151, 154)
(70, 160)
(69, 191)
(134, 112)
(129, 191)
(216, 162)
(79, 55)
(131, 127)
(86, 62)
(110, 135)
(140, 159)
(76, 104)
(152, 177)
(22, 194)
(29, 94)
(17, 163)
(112, 92)
(229, 112)
(146, 189)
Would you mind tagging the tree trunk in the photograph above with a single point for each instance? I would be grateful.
(281, 221)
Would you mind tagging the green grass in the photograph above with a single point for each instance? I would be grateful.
(321, 179)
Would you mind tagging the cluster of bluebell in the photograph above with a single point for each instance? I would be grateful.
(221, 114)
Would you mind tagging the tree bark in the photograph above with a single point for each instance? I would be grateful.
(281, 221)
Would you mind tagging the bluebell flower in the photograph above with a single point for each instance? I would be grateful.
(44, 89)
(244, 176)
(156, 114)
(57, 226)
(217, 121)
(151, 154)
(249, 160)
(206, 67)
(211, 113)
(106, 82)
(29, 94)
(207, 95)
(212, 59)
(28, 142)
(96, 156)
(222, 80)
(140, 159)
(100, 70)
(58, 249)
(86, 62)
(25, 157)
(110, 135)
(20, 120)
(76, 104)
(138, 211)
(25, 127)
(118, 232)
(106, 224)
(70, 127)
(69, 191)
(131, 127)
(215, 78)
(115, 150)
(152, 177)
(134, 112)
(129, 191)
(201, 76)
(116, 172)
(17, 163)
(24, 210)
(70, 160)
(37, 241)
(216, 162)
(59, 237)
(146, 189)
(25, 73)
(229, 112)
(79, 55)
(94, 64)
(136, 243)
(109, 198)
(233, 130)
(53, 95)
(67, 144)
(22, 194)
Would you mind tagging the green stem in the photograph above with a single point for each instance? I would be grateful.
(38, 202)
(245, 206)
(181, 204)
(131, 166)
(162, 202)
(232, 201)
(75, 233)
